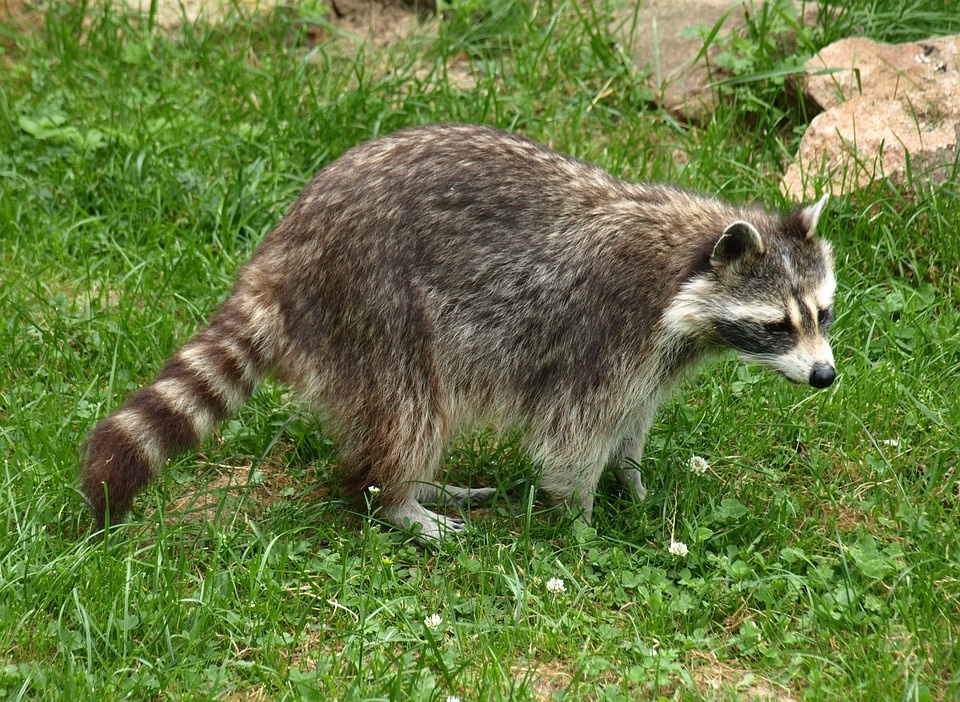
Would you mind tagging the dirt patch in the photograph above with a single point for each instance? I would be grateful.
(715, 676)
(172, 13)
(375, 22)
(547, 679)
(256, 693)
(233, 491)
(843, 518)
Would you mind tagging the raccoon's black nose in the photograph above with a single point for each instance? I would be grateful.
(822, 376)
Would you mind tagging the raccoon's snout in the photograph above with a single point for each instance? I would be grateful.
(822, 376)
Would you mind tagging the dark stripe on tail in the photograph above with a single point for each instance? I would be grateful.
(195, 385)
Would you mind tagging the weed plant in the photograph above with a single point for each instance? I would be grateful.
(140, 166)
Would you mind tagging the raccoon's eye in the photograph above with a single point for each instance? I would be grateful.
(781, 328)
(824, 317)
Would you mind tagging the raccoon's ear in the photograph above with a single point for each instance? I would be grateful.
(810, 215)
(739, 241)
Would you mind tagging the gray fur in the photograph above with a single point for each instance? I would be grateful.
(449, 275)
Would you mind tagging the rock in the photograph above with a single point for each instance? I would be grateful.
(891, 111)
(379, 22)
(663, 37)
(173, 13)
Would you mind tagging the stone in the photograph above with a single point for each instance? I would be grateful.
(890, 111)
(663, 38)
(172, 13)
(378, 22)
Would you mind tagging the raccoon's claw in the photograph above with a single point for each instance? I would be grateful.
(453, 496)
(440, 528)
(477, 496)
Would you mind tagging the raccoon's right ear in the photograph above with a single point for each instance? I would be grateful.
(810, 214)
(739, 241)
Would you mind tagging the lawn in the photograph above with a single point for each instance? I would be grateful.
(139, 167)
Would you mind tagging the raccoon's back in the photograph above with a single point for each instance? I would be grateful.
(519, 266)
(468, 207)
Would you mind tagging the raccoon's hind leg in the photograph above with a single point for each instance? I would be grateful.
(397, 487)
(398, 453)
(573, 484)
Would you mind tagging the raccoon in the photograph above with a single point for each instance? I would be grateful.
(453, 274)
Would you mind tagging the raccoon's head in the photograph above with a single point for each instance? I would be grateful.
(767, 293)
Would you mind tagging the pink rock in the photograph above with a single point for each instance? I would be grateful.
(892, 111)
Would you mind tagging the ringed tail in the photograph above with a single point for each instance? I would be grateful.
(209, 378)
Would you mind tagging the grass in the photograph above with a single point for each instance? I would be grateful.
(138, 170)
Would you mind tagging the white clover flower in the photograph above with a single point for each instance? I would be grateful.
(556, 586)
(678, 548)
(453, 698)
(698, 465)
(433, 621)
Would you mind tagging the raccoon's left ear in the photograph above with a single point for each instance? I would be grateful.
(810, 215)
(739, 241)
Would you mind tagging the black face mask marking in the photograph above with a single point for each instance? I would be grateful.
(779, 328)
(755, 338)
